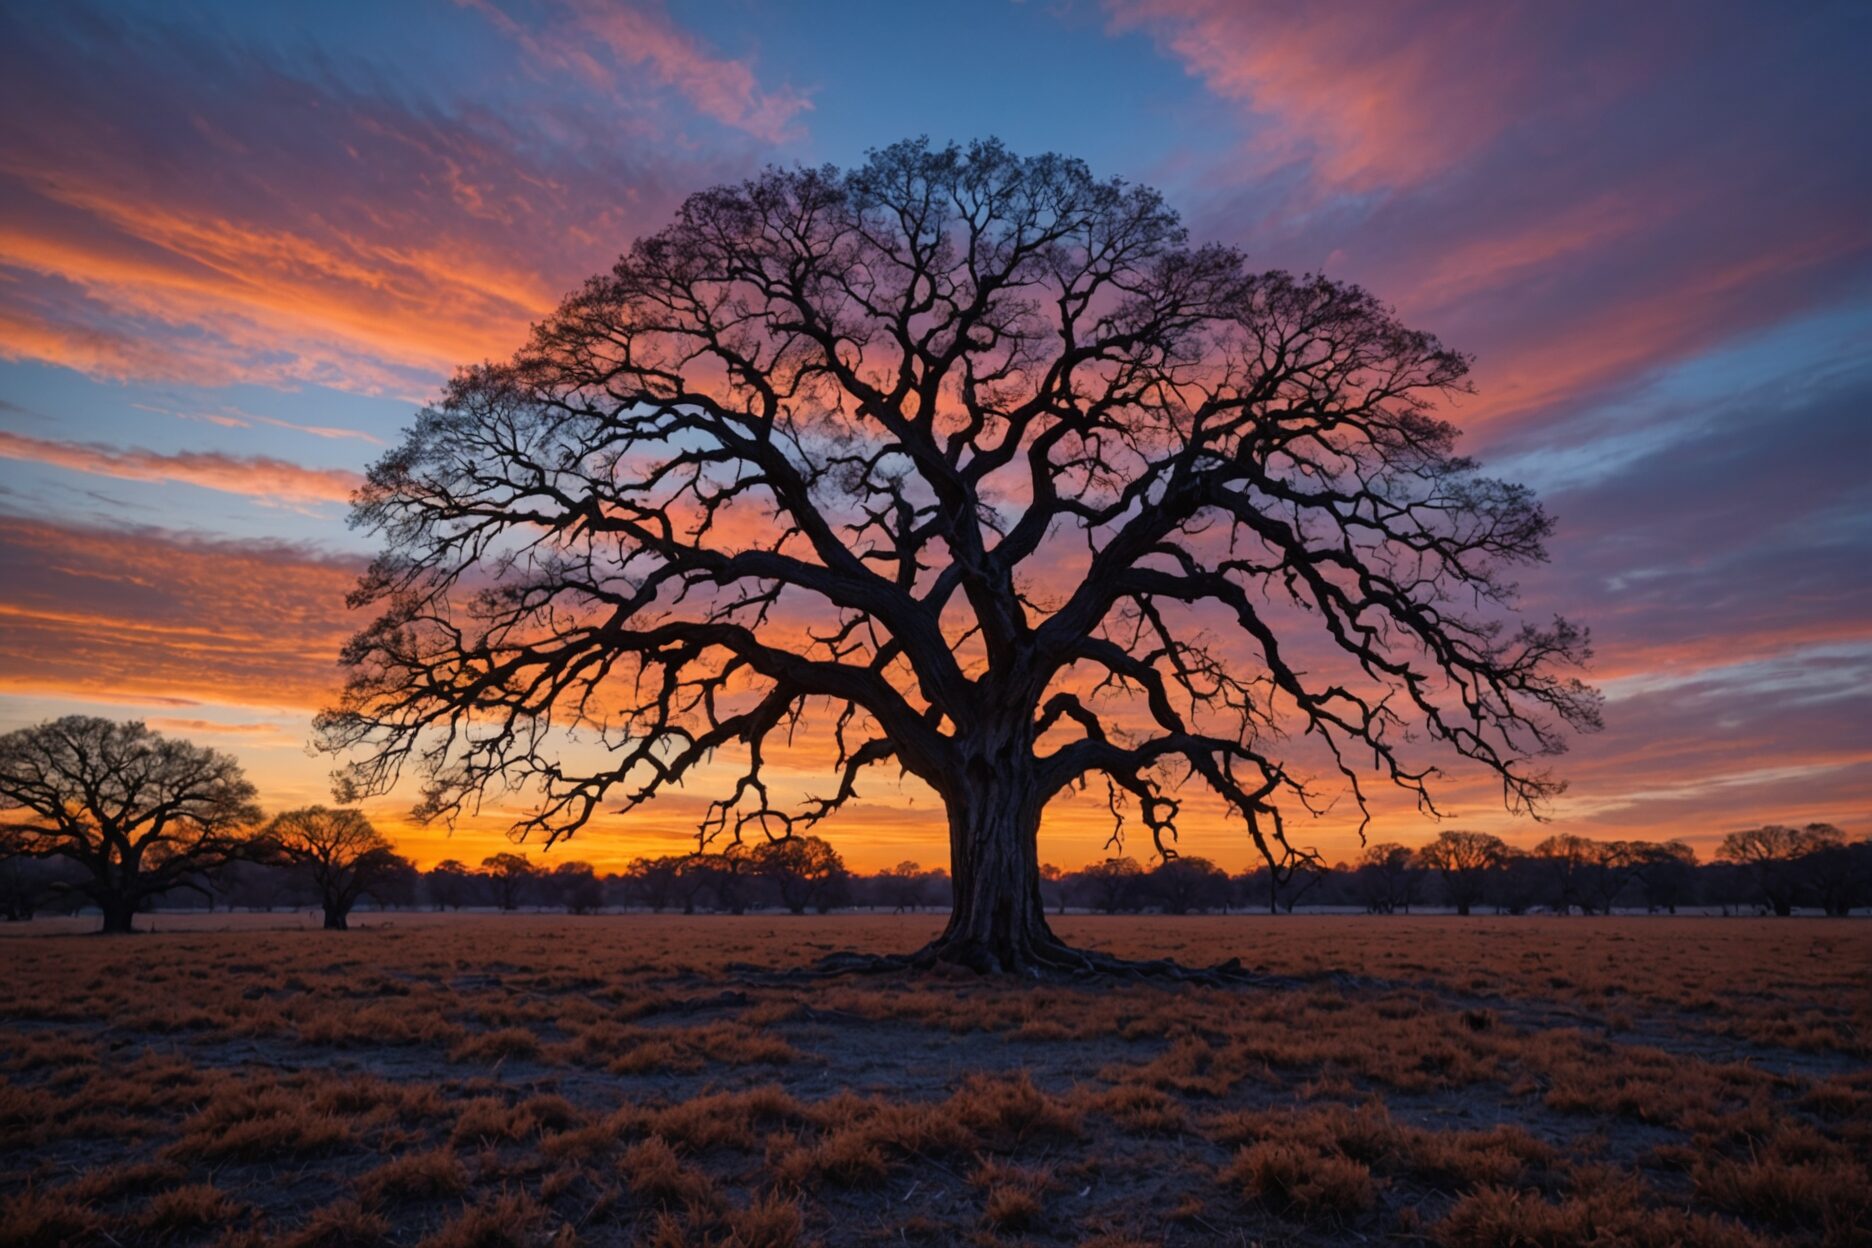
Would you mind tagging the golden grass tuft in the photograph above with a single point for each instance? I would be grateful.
(509, 1220)
(32, 1219)
(1294, 1179)
(192, 1207)
(415, 1176)
(655, 1173)
(343, 1224)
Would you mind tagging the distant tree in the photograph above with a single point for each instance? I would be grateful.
(338, 853)
(896, 400)
(253, 884)
(577, 888)
(804, 869)
(141, 813)
(730, 872)
(1053, 887)
(511, 876)
(904, 886)
(396, 888)
(1564, 862)
(1387, 878)
(654, 882)
(1611, 867)
(1185, 883)
(1465, 860)
(1770, 856)
(27, 884)
(1838, 872)
(1666, 874)
(1291, 887)
(1111, 885)
(451, 884)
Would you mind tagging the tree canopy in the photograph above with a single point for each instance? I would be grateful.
(969, 464)
(141, 813)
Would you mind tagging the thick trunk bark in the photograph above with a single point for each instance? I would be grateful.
(119, 916)
(335, 919)
(997, 921)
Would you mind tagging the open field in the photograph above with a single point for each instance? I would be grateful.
(510, 1079)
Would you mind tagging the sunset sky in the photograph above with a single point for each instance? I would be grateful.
(238, 249)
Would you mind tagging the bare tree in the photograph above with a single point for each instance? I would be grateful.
(905, 886)
(1666, 873)
(964, 458)
(338, 852)
(1464, 860)
(576, 886)
(141, 813)
(510, 875)
(805, 870)
(656, 881)
(1771, 855)
(1111, 885)
(1387, 878)
(1187, 882)
(451, 884)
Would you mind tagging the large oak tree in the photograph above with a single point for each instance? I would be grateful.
(141, 813)
(971, 465)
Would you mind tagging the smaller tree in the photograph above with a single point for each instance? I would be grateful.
(510, 875)
(1836, 871)
(1387, 878)
(141, 813)
(1566, 863)
(1465, 861)
(806, 870)
(1769, 856)
(1187, 883)
(451, 884)
(1666, 874)
(26, 883)
(1111, 885)
(655, 882)
(576, 886)
(903, 886)
(338, 853)
(730, 873)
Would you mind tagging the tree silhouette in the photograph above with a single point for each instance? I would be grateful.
(511, 875)
(969, 464)
(339, 853)
(141, 813)
(804, 869)
(1772, 854)
(1387, 878)
(1465, 860)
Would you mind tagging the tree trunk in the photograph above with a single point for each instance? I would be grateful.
(997, 920)
(335, 919)
(118, 915)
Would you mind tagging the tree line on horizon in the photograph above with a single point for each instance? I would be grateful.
(112, 816)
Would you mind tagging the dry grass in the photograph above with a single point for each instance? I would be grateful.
(483, 1082)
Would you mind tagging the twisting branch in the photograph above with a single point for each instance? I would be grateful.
(973, 458)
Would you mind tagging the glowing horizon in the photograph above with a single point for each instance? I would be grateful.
(235, 265)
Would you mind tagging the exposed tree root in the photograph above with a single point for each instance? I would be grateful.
(1047, 961)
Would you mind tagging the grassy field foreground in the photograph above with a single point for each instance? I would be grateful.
(473, 1082)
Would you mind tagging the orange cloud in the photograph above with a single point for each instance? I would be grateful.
(162, 617)
(255, 475)
(320, 233)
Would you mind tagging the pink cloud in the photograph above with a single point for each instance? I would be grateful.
(641, 39)
(256, 476)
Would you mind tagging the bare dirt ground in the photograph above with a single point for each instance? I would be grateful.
(478, 1081)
